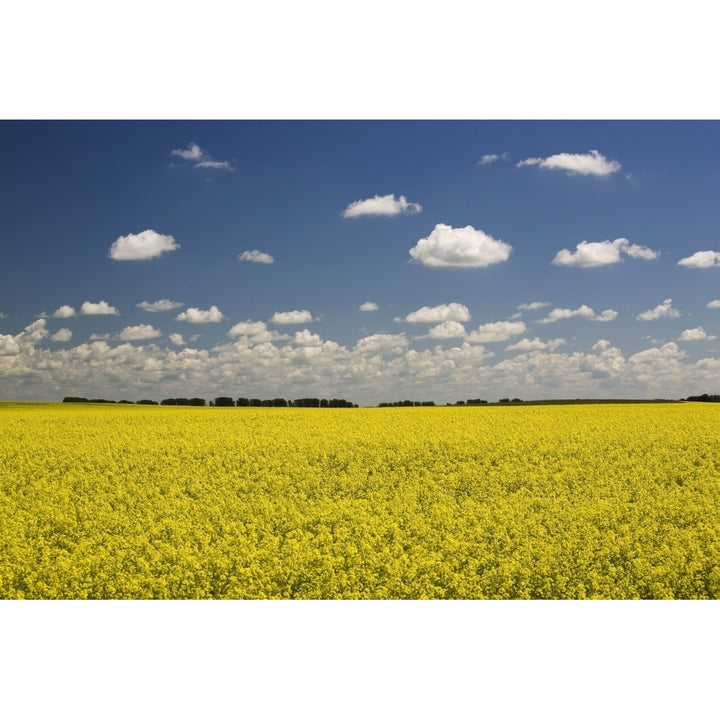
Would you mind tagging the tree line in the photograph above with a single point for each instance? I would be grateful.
(224, 401)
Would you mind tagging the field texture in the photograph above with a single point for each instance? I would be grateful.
(598, 501)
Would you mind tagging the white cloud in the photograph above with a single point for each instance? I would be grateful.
(697, 333)
(664, 310)
(492, 157)
(291, 317)
(605, 316)
(595, 254)
(459, 247)
(377, 368)
(368, 307)
(139, 332)
(193, 153)
(439, 313)
(713, 304)
(381, 344)
(248, 327)
(32, 334)
(64, 311)
(62, 335)
(496, 331)
(98, 308)
(176, 339)
(194, 315)
(591, 163)
(583, 311)
(385, 205)
(533, 305)
(653, 355)
(143, 246)
(255, 256)
(526, 345)
(159, 305)
(305, 338)
(8, 345)
(447, 330)
(701, 259)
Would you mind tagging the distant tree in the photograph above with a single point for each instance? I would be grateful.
(279, 402)
(243, 402)
(307, 402)
(224, 402)
(255, 402)
(197, 402)
(73, 399)
(168, 401)
(147, 402)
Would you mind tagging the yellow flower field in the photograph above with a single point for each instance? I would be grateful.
(578, 501)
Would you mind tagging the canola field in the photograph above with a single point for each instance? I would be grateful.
(578, 501)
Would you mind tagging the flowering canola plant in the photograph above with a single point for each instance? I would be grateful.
(576, 501)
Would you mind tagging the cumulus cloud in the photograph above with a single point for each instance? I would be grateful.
(492, 157)
(669, 351)
(176, 339)
(194, 315)
(381, 343)
(377, 368)
(591, 163)
(64, 311)
(527, 345)
(533, 305)
(159, 305)
(201, 159)
(440, 313)
(248, 327)
(713, 304)
(664, 310)
(32, 334)
(62, 335)
(8, 345)
(139, 332)
(583, 311)
(292, 317)
(98, 308)
(496, 331)
(305, 338)
(701, 259)
(447, 246)
(251, 332)
(447, 330)
(381, 205)
(595, 254)
(143, 246)
(697, 333)
(369, 307)
(255, 256)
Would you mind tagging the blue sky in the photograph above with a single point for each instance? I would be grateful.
(370, 260)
